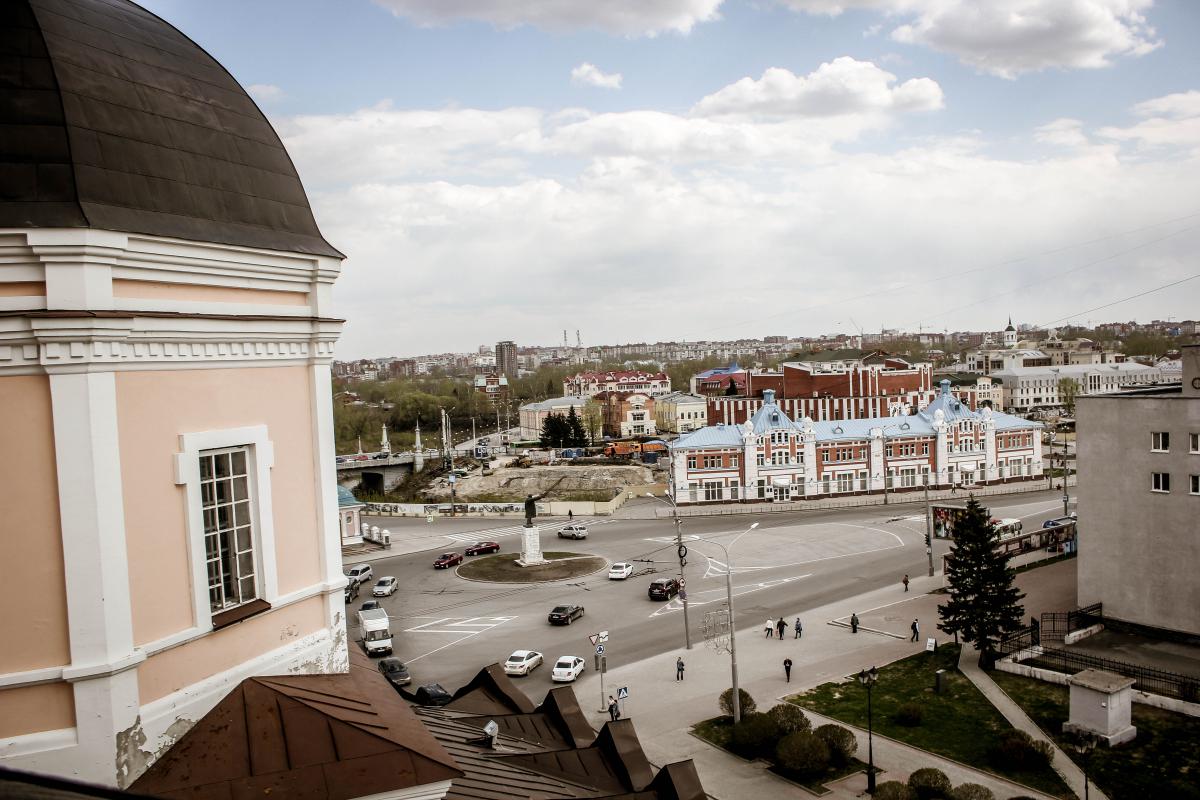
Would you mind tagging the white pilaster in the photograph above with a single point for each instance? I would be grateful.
(325, 486)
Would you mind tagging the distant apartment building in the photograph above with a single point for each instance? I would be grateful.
(772, 457)
(680, 412)
(627, 413)
(834, 384)
(532, 415)
(1139, 501)
(492, 386)
(592, 383)
(506, 358)
(1027, 389)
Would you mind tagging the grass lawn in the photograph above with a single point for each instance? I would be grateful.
(1163, 761)
(717, 731)
(503, 568)
(959, 723)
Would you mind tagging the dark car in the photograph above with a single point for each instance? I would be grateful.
(351, 590)
(663, 588)
(565, 615)
(367, 606)
(394, 670)
(432, 694)
(447, 560)
(482, 547)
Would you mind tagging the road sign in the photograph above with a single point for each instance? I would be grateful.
(603, 636)
(599, 649)
(623, 692)
(930, 645)
(595, 638)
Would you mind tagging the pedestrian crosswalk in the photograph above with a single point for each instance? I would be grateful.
(512, 530)
(464, 626)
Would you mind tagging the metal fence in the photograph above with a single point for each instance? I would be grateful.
(1057, 624)
(1025, 644)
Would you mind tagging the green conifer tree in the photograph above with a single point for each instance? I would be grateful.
(984, 604)
(577, 437)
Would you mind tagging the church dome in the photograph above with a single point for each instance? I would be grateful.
(111, 118)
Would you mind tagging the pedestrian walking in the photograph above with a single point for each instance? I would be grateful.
(854, 623)
(769, 627)
(787, 669)
(780, 627)
(905, 582)
(679, 669)
(570, 515)
(916, 629)
(614, 710)
(799, 629)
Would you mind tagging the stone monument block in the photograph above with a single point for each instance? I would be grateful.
(531, 547)
(1101, 704)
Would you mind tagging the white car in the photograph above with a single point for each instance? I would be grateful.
(360, 572)
(386, 586)
(566, 669)
(575, 531)
(522, 662)
(620, 571)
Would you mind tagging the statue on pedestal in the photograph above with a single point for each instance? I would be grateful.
(531, 509)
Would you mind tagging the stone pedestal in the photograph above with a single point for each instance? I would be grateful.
(531, 547)
(1101, 703)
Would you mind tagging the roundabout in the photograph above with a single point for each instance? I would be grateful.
(503, 568)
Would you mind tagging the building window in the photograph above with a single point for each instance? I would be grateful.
(1160, 442)
(1160, 481)
(228, 528)
(691, 462)
(1194, 442)
(1196, 484)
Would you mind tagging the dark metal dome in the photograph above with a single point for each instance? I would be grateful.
(111, 118)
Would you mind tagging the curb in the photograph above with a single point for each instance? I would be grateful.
(607, 564)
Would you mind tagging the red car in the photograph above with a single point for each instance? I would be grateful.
(482, 547)
(447, 560)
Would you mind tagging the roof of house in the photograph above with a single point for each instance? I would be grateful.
(710, 436)
(680, 397)
(557, 402)
(119, 121)
(618, 375)
(1075, 369)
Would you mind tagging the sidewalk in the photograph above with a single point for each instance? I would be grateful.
(664, 710)
(968, 664)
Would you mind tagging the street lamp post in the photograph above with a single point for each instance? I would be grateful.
(1084, 744)
(867, 678)
(737, 701)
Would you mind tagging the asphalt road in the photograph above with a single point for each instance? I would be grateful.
(447, 628)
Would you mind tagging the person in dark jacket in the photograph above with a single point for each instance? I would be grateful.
(614, 710)
(781, 626)
(787, 669)
(799, 629)
(854, 623)
(679, 669)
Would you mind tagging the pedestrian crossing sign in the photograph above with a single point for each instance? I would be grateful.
(623, 692)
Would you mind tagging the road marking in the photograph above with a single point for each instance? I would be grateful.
(469, 627)
(721, 594)
(671, 539)
(497, 533)
(717, 567)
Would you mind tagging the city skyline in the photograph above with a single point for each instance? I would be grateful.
(679, 169)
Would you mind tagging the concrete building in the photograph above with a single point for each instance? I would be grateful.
(506, 358)
(680, 412)
(589, 384)
(168, 483)
(774, 458)
(532, 415)
(1026, 389)
(1139, 502)
(627, 414)
(492, 386)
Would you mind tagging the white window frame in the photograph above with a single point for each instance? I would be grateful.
(1157, 441)
(260, 457)
(1158, 484)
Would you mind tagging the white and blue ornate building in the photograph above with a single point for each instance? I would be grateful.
(771, 457)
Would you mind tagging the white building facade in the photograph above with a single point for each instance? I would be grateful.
(680, 412)
(1027, 389)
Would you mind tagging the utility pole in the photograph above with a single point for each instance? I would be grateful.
(928, 527)
(681, 551)
(1066, 497)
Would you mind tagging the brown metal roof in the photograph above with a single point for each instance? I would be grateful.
(111, 118)
(304, 736)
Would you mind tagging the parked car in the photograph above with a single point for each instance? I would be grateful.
(565, 615)
(432, 694)
(394, 670)
(567, 669)
(360, 572)
(482, 547)
(351, 590)
(522, 662)
(620, 571)
(446, 560)
(575, 531)
(386, 587)
(663, 588)
(367, 606)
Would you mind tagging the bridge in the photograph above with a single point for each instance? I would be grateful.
(380, 474)
(359, 463)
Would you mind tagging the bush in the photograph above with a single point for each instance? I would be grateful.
(747, 702)
(790, 718)
(893, 790)
(840, 741)
(802, 752)
(929, 784)
(972, 791)
(754, 736)
(909, 715)
(1017, 750)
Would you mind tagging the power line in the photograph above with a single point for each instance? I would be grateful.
(1123, 300)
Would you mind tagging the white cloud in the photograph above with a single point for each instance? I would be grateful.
(1008, 37)
(1180, 105)
(621, 17)
(1063, 131)
(265, 92)
(1169, 121)
(840, 87)
(590, 75)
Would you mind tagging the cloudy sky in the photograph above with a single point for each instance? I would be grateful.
(644, 170)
